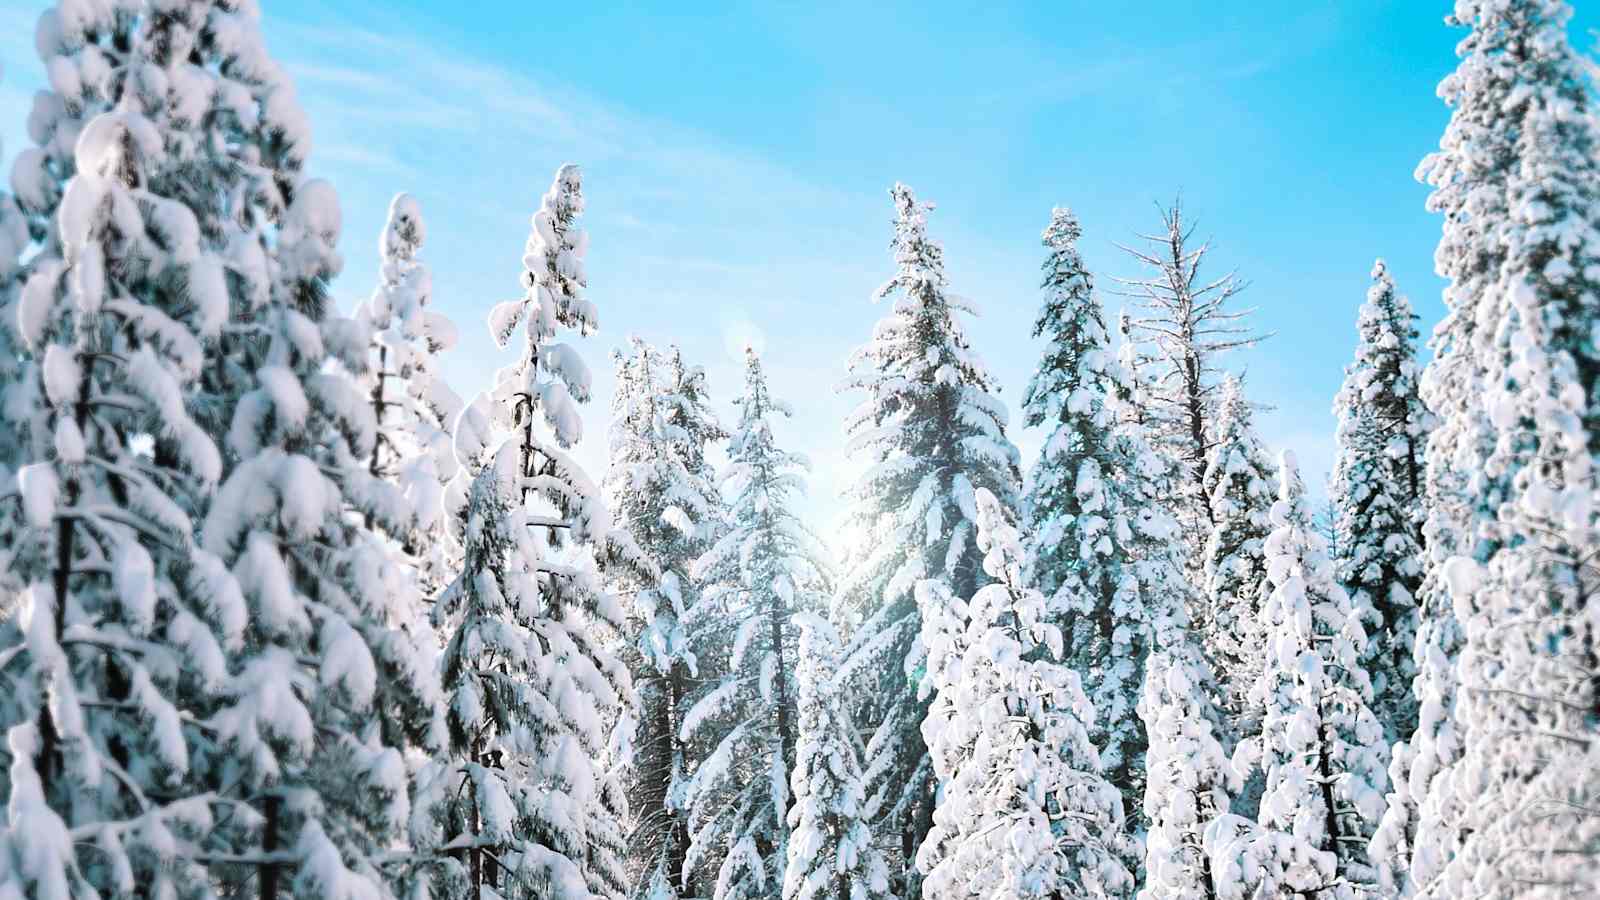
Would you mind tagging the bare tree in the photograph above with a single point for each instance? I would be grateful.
(1184, 322)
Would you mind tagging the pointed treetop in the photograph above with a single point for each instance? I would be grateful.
(1292, 490)
(1063, 231)
(405, 230)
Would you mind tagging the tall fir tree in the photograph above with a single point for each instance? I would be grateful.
(663, 493)
(1185, 323)
(832, 855)
(1187, 781)
(328, 690)
(1515, 390)
(1186, 769)
(524, 804)
(1239, 488)
(1378, 494)
(932, 432)
(766, 568)
(207, 135)
(1084, 503)
(415, 410)
(1024, 810)
(1321, 747)
(117, 650)
(1513, 250)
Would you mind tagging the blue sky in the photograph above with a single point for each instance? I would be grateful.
(737, 162)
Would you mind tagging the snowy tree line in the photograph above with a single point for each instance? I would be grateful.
(282, 614)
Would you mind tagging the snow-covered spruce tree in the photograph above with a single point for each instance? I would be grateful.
(415, 410)
(1183, 725)
(1528, 683)
(1023, 810)
(767, 567)
(509, 803)
(1512, 177)
(1185, 763)
(1185, 323)
(537, 703)
(1378, 495)
(663, 493)
(831, 851)
(120, 633)
(327, 691)
(1239, 487)
(931, 430)
(234, 136)
(1084, 499)
(1321, 747)
(1186, 769)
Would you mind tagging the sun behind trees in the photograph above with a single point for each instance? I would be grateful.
(281, 615)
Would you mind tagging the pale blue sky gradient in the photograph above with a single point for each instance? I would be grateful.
(737, 162)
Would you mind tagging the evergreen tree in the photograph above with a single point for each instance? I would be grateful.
(1521, 254)
(933, 433)
(117, 649)
(762, 571)
(1239, 479)
(413, 407)
(203, 146)
(327, 691)
(831, 852)
(1378, 494)
(535, 700)
(1510, 177)
(1185, 324)
(1186, 772)
(1024, 810)
(1321, 747)
(1186, 768)
(663, 493)
(1085, 501)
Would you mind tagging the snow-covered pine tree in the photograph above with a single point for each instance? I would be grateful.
(765, 569)
(1378, 492)
(414, 409)
(1024, 810)
(121, 630)
(1186, 769)
(932, 432)
(1513, 167)
(1183, 725)
(1185, 763)
(537, 703)
(1239, 488)
(1321, 747)
(229, 140)
(328, 690)
(831, 851)
(663, 493)
(1082, 512)
(507, 805)
(1523, 264)
(1185, 323)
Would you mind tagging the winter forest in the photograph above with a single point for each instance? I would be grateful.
(283, 613)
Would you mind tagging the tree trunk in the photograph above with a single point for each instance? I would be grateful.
(678, 851)
(378, 404)
(269, 846)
